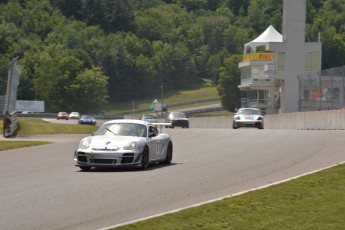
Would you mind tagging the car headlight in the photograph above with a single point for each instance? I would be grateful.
(84, 144)
(131, 145)
(238, 118)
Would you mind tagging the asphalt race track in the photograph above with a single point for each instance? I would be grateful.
(40, 188)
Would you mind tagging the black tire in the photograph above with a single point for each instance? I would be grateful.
(145, 158)
(234, 126)
(169, 155)
(172, 126)
(85, 168)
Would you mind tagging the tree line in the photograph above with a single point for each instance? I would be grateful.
(81, 55)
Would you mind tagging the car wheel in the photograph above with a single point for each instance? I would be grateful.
(169, 155)
(85, 168)
(234, 126)
(172, 126)
(145, 158)
(261, 127)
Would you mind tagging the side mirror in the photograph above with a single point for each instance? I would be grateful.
(152, 135)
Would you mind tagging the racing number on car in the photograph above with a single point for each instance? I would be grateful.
(159, 147)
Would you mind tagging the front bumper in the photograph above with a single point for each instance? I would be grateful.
(248, 123)
(107, 159)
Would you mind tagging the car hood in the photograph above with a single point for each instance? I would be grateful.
(254, 117)
(112, 142)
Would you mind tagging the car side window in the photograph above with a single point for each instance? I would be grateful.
(156, 131)
(153, 130)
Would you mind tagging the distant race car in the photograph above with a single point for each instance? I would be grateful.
(148, 117)
(87, 120)
(62, 115)
(124, 142)
(248, 117)
(177, 119)
(74, 115)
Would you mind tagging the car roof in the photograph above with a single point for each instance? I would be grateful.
(248, 108)
(177, 113)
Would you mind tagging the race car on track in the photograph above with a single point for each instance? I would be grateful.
(248, 117)
(124, 142)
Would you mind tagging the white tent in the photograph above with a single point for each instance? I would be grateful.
(269, 35)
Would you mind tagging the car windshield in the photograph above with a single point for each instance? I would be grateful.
(122, 129)
(179, 115)
(86, 117)
(248, 112)
(148, 117)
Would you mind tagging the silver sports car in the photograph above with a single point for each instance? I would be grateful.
(248, 117)
(124, 143)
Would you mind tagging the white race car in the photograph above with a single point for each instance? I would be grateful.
(124, 143)
(248, 117)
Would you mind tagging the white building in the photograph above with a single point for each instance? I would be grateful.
(272, 62)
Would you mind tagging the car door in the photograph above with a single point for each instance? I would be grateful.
(156, 143)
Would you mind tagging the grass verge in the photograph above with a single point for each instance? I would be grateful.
(7, 145)
(38, 126)
(170, 97)
(314, 201)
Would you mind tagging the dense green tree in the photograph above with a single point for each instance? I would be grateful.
(39, 17)
(164, 22)
(201, 55)
(334, 14)
(111, 16)
(3, 74)
(214, 63)
(70, 9)
(237, 7)
(145, 4)
(117, 64)
(230, 78)
(212, 32)
(333, 48)
(262, 13)
(144, 77)
(55, 70)
(88, 92)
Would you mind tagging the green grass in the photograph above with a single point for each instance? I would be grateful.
(38, 126)
(6, 145)
(314, 202)
(170, 97)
